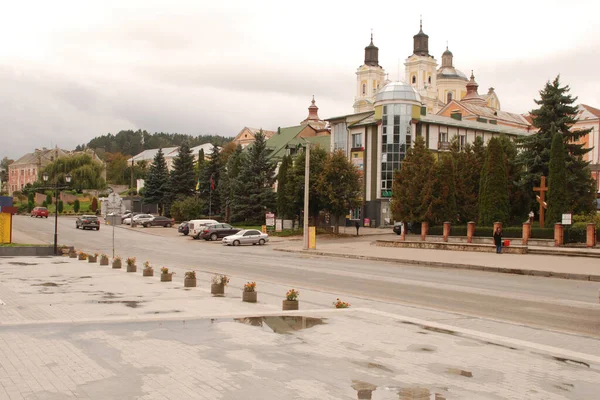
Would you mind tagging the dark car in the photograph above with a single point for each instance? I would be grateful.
(217, 231)
(87, 222)
(41, 212)
(398, 228)
(159, 221)
(184, 228)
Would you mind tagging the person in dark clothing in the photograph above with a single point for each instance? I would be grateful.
(357, 225)
(498, 240)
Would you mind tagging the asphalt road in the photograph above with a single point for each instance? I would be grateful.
(554, 304)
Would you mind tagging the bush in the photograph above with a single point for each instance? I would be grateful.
(22, 208)
(186, 209)
(48, 199)
(31, 197)
(30, 206)
(44, 204)
(76, 206)
(576, 233)
(60, 206)
(94, 206)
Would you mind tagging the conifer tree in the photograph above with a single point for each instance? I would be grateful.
(229, 174)
(210, 181)
(494, 202)
(444, 202)
(156, 187)
(558, 197)
(283, 209)
(253, 187)
(183, 179)
(412, 190)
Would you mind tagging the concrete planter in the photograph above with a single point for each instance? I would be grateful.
(148, 272)
(92, 259)
(249, 297)
(73, 255)
(116, 264)
(168, 277)
(81, 257)
(131, 268)
(189, 282)
(217, 289)
(103, 260)
(290, 305)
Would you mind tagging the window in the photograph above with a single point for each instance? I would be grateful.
(462, 141)
(340, 137)
(429, 79)
(395, 139)
(364, 89)
(448, 97)
(443, 137)
(357, 140)
(414, 79)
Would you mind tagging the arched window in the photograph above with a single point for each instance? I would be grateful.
(414, 79)
(364, 89)
(429, 80)
(448, 97)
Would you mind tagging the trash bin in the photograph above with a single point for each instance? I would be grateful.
(506, 243)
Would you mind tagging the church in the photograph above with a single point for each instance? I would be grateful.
(436, 102)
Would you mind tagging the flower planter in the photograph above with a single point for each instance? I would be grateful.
(148, 272)
(166, 277)
(116, 264)
(189, 282)
(104, 261)
(249, 297)
(92, 259)
(81, 257)
(73, 255)
(290, 305)
(131, 268)
(217, 289)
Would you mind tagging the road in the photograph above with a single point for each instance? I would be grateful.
(550, 304)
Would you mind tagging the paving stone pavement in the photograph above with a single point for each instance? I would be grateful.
(115, 335)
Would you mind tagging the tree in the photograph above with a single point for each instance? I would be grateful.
(186, 209)
(339, 185)
(467, 164)
(253, 187)
(283, 208)
(60, 206)
(444, 191)
(86, 173)
(412, 190)
(94, 205)
(4, 168)
(118, 170)
(494, 202)
(76, 205)
(558, 197)
(517, 192)
(558, 113)
(156, 187)
(48, 199)
(209, 182)
(229, 174)
(183, 179)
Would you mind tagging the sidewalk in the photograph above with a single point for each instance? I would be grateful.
(556, 266)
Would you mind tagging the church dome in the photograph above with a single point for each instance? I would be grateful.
(397, 91)
(451, 73)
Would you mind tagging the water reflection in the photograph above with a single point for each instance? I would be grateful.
(282, 324)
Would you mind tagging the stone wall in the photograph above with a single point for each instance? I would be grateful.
(484, 248)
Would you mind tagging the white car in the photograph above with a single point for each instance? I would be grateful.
(138, 219)
(196, 226)
(247, 236)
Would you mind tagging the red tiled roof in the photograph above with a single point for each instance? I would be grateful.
(592, 110)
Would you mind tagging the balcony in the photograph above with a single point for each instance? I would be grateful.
(443, 146)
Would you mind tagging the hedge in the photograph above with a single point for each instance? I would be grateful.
(513, 232)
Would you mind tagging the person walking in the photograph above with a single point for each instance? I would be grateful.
(498, 240)
(357, 225)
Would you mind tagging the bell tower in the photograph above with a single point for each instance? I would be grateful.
(370, 77)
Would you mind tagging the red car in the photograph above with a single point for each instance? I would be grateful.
(41, 212)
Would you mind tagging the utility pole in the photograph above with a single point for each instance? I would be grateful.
(131, 190)
(306, 195)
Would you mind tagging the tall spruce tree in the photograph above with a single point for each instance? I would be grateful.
(183, 176)
(283, 208)
(494, 204)
(444, 202)
(412, 190)
(557, 111)
(558, 196)
(253, 187)
(210, 180)
(229, 174)
(156, 187)
(517, 192)
(468, 163)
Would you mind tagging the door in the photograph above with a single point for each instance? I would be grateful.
(247, 238)
(226, 230)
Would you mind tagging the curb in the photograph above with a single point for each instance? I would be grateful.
(439, 264)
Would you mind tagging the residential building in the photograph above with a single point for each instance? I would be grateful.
(27, 168)
(170, 153)
(247, 136)
(589, 118)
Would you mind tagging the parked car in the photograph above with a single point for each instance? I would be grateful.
(87, 222)
(128, 214)
(138, 219)
(197, 225)
(217, 231)
(398, 228)
(41, 212)
(184, 228)
(246, 236)
(158, 221)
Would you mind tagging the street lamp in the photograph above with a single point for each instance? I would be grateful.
(57, 190)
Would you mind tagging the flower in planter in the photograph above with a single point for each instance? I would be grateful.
(190, 275)
(341, 304)
(117, 258)
(250, 287)
(131, 261)
(147, 265)
(165, 270)
(103, 256)
(292, 295)
(220, 280)
(83, 255)
(96, 255)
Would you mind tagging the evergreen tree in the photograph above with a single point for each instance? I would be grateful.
(156, 187)
(558, 196)
(339, 185)
(253, 187)
(517, 192)
(210, 181)
(283, 209)
(494, 202)
(444, 202)
(183, 179)
(467, 165)
(48, 199)
(557, 112)
(412, 190)
(94, 205)
(229, 174)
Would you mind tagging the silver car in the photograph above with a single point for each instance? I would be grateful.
(247, 236)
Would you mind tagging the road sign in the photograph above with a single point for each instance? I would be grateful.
(270, 219)
(567, 219)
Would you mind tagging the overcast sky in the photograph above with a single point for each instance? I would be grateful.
(73, 70)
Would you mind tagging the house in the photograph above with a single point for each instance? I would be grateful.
(247, 136)
(169, 154)
(27, 168)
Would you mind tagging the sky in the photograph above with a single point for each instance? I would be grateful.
(74, 70)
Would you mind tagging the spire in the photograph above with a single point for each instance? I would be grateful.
(372, 54)
(421, 42)
(447, 58)
(313, 113)
(472, 96)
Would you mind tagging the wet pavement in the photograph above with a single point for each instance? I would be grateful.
(71, 329)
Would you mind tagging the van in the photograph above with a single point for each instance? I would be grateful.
(196, 226)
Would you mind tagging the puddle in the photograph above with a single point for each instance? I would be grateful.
(47, 284)
(282, 324)
(59, 262)
(461, 372)
(364, 390)
(440, 330)
(500, 345)
(567, 387)
(162, 312)
(84, 277)
(128, 303)
(571, 362)
(21, 263)
(414, 393)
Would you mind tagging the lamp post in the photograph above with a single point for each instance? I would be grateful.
(56, 192)
(306, 196)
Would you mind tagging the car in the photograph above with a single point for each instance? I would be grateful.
(217, 231)
(41, 212)
(398, 228)
(87, 222)
(184, 228)
(159, 221)
(197, 225)
(246, 236)
(128, 214)
(138, 219)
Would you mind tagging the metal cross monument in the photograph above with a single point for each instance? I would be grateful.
(542, 199)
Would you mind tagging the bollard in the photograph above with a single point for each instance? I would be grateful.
(590, 233)
(470, 231)
(403, 232)
(446, 230)
(424, 230)
(526, 233)
(558, 234)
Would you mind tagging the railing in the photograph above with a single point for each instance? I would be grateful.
(444, 146)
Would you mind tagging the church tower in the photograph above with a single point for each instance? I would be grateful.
(421, 71)
(369, 78)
